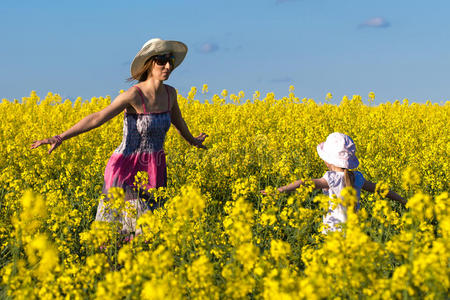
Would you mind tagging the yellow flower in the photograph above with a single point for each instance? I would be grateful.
(224, 93)
(410, 178)
(217, 236)
(279, 249)
(205, 89)
(382, 189)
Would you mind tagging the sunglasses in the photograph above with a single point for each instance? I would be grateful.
(161, 60)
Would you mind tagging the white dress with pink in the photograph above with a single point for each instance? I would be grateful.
(336, 184)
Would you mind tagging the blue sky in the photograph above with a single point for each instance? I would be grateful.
(397, 49)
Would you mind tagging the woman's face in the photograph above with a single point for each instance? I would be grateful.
(162, 66)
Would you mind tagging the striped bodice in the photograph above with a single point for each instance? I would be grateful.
(144, 133)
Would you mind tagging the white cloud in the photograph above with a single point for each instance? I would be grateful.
(208, 47)
(377, 22)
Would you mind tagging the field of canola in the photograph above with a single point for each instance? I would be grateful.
(217, 236)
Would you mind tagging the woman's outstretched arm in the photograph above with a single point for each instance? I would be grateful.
(371, 186)
(90, 122)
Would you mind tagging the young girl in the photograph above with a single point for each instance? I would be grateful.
(338, 153)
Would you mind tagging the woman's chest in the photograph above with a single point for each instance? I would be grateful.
(149, 124)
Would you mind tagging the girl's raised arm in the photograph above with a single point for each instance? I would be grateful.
(370, 187)
(319, 183)
(90, 122)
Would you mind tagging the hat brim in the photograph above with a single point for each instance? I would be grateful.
(322, 154)
(178, 49)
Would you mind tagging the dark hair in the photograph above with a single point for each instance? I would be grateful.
(142, 73)
(349, 178)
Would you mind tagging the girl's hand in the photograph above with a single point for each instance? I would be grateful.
(280, 190)
(53, 141)
(198, 141)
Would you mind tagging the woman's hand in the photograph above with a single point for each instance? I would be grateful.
(198, 141)
(91, 121)
(53, 141)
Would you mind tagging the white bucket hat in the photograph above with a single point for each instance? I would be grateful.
(156, 47)
(339, 150)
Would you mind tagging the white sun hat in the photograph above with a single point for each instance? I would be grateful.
(339, 150)
(156, 47)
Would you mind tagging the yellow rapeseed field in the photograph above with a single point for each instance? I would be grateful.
(218, 236)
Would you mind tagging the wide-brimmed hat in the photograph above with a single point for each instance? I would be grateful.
(339, 150)
(156, 47)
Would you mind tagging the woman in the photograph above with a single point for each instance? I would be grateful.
(150, 107)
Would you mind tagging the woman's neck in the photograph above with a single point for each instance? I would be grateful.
(152, 85)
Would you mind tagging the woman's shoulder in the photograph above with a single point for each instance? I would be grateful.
(132, 93)
(132, 97)
(172, 95)
(171, 89)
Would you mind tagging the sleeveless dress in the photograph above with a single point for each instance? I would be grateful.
(141, 150)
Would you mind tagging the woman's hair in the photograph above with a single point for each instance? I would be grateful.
(349, 178)
(143, 72)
